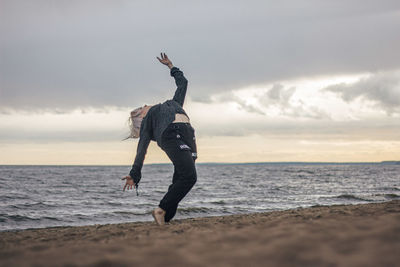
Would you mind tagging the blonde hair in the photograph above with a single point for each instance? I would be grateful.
(134, 121)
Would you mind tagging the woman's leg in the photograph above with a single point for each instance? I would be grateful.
(170, 213)
(184, 178)
(184, 169)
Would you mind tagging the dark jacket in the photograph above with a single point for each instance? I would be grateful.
(156, 121)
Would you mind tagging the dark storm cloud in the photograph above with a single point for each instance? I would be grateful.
(69, 54)
(383, 89)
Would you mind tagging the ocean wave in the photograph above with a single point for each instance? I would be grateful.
(99, 216)
(35, 205)
(113, 204)
(390, 188)
(352, 197)
(218, 202)
(388, 196)
(131, 213)
(369, 198)
(22, 218)
(193, 210)
(5, 198)
(17, 218)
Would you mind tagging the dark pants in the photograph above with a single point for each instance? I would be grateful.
(179, 143)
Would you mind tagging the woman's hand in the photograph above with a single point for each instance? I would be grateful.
(129, 182)
(165, 60)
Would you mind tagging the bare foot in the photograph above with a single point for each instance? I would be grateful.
(158, 215)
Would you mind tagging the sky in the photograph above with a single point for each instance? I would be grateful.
(269, 81)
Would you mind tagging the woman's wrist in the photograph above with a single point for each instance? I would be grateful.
(170, 66)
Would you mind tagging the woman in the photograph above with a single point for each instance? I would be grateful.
(167, 124)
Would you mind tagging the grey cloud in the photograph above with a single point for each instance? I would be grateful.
(277, 95)
(230, 97)
(249, 108)
(280, 97)
(382, 88)
(68, 54)
(206, 99)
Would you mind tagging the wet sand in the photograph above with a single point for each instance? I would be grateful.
(353, 235)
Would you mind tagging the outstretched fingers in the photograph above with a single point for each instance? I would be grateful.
(130, 184)
(163, 56)
(126, 184)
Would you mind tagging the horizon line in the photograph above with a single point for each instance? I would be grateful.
(226, 163)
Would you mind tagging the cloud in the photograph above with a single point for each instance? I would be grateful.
(281, 98)
(277, 94)
(70, 54)
(81, 125)
(382, 89)
(241, 103)
(276, 101)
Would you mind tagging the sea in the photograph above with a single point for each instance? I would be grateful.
(49, 196)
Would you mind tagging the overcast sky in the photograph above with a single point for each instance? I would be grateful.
(305, 71)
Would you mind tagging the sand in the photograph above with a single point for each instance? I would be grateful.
(353, 235)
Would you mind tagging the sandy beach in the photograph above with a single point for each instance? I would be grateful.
(353, 235)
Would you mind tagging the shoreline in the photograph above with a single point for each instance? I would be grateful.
(151, 220)
(356, 235)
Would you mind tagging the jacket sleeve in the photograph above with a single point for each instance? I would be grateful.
(144, 141)
(181, 84)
